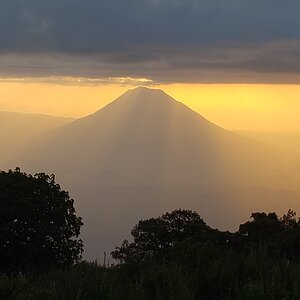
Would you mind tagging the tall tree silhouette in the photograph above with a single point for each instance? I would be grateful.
(38, 224)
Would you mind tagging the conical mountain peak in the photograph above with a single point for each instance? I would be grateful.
(144, 93)
(145, 90)
(155, 104)
(146, 150)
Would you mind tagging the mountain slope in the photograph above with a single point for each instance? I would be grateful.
(146, 153)
(285, 140)
(146, 137)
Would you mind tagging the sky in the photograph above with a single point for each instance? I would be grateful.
(226, 59)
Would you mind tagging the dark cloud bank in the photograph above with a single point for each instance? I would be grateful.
(163, 40)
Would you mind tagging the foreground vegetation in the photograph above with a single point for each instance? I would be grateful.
(174, 256)
(177, 256)
(205, 272)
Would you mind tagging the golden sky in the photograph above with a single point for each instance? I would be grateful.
(267, 107)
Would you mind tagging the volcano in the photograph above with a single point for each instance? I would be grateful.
(145, 153)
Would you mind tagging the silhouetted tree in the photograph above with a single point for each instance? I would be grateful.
(289, 220)
(278, 236)
(38, 224)
(262, 227)
(152, 236)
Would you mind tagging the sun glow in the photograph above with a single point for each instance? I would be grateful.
(243, 106)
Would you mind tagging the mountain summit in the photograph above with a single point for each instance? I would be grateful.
(146, 153)
(146, 137)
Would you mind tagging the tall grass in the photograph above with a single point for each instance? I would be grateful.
(187, 272)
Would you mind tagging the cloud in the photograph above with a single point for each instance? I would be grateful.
(163, 40)
(80, 81)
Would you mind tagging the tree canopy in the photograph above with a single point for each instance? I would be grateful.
(38, 223)
(277, 235)
(155, 235)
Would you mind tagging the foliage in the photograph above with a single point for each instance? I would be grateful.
(277, 235)
(38, 224)
(156, 235)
